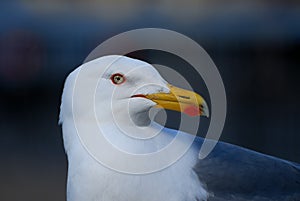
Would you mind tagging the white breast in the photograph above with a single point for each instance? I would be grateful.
(88, 180)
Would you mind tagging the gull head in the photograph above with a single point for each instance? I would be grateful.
(123, 88)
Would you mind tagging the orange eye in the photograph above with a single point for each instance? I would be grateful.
(117, 78)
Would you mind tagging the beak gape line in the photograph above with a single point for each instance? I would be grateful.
(180, 100)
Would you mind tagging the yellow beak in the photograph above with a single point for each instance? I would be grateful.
(180, 100)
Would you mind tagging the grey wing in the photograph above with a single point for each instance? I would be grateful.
(233, 173)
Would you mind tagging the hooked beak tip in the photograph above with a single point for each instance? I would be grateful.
(204, 109)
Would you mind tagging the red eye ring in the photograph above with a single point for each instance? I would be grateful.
(117, 78)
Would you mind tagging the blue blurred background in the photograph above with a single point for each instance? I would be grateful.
(255, 44)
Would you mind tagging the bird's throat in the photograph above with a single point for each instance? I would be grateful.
(141, 119)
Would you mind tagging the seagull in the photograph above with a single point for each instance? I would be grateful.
(110, 98)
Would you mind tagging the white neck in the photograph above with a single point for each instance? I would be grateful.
(89, 180)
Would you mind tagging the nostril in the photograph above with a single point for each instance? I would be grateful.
(185, 97)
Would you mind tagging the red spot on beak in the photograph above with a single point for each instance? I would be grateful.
(192, 111)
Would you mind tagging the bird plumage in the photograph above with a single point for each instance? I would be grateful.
(228, 173)
(234, 173)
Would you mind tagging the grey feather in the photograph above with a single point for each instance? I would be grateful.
(234, 173)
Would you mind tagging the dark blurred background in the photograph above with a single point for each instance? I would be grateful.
(255, 44)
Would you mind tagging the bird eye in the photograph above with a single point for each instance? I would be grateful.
(117, 78)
